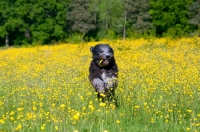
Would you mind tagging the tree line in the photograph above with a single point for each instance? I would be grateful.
(51, 21)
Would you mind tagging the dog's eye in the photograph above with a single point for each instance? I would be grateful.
(101, 51)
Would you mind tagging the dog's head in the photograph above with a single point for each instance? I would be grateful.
(103, 54)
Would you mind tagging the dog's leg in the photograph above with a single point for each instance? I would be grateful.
(99, 86)
(110, 82)
(114, 98)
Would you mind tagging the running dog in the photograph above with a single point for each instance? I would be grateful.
(103, 72)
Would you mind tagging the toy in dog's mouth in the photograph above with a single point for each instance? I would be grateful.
(103, 62)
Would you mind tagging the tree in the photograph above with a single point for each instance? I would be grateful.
(170, 16)
(81, 20)
(143, 18)
(108, 15)
(48, 20)
(27, 21)
(194, 13)
(136, 16)
(10, 23)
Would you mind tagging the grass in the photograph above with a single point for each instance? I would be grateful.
(46, 88)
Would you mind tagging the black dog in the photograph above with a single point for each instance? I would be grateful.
(103, 72)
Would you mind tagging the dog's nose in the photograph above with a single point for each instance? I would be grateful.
(107, 56)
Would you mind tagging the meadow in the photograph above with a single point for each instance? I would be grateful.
(46, 88)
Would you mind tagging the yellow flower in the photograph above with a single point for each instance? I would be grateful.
(170, 110)
(19, 127)
(62, 106)
(117, 121)
(11, 118)
(189, 111)
(90, 102)
(103, 95)
(42, 127)
(12, 113)
(91, 107)
(76, 116)
(53, 105)
(136, 106)
(34, 108)
(152, 120)
(158, 67)
(102, 104)
(56, 128)
(2, 121)
(188, 129)
(20, 109)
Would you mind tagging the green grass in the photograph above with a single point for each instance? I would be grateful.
(47, 88)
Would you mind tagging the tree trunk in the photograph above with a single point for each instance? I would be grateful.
(7, 41)
(125, 17)
(27, 34)
(138, 24)
(82, 37)
(95, 14)
(138, 21)
(198, 12)
(106, 17)
(106, 23)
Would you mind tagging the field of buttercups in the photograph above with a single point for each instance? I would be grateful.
(46, 88)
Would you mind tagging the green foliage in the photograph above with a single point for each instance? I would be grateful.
(110, 35)
(75, 38)
(41, 21)
(174, 32)
(80, 18)
(49, 21)
(169, 16)
(135, 34)
(193, 13)
(131, 33)
(40, 36)
(2, 31)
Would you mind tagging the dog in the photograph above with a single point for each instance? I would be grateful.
(103, 72)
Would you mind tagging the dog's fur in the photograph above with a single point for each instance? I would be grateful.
(103, 71)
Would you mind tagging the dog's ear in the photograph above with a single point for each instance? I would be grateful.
(91, 49)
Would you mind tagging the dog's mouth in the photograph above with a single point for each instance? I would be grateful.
(103, 62)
